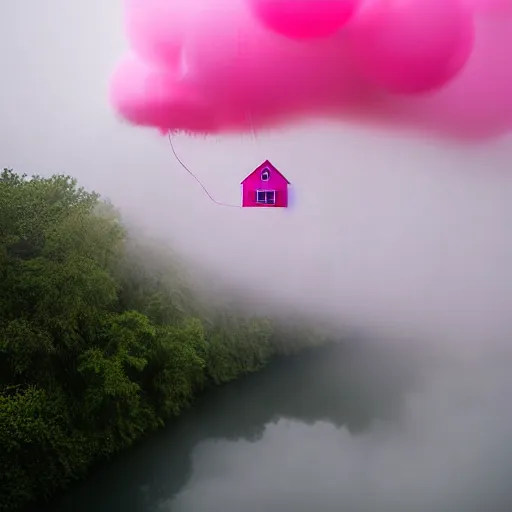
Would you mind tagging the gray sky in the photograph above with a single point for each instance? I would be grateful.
(401, 234)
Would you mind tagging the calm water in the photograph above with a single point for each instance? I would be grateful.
(339, 429)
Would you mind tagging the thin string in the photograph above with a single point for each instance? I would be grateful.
(197, 179)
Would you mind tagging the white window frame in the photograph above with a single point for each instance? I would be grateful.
(273, 192)
(266, 172)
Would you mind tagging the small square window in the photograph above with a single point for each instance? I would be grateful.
(266, 196)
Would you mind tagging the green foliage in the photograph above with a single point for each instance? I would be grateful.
(101, 337)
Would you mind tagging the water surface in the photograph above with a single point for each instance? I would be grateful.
(344, 428)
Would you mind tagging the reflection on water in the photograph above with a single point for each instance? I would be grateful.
(329, 430)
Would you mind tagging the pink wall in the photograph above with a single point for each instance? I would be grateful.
(253, 182)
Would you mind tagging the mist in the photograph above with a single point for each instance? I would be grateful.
(403, 239)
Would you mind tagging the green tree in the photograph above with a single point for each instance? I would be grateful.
(103, 336)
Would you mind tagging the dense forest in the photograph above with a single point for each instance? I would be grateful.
(102, 336)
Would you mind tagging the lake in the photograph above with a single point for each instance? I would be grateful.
(352, 428)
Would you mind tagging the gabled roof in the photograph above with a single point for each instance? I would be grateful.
(266, 163)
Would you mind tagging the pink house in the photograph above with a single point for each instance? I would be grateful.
(266, 187)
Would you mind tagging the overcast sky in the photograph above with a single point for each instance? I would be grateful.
(387, 231)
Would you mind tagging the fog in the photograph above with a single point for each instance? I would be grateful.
(407, 240)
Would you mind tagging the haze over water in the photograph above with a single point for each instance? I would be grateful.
(351, 428)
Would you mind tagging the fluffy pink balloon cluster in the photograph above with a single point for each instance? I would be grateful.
(210, 66)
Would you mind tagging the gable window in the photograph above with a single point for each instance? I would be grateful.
(265, 175)
(266, 196)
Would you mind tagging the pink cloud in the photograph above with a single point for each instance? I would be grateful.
(211, 66)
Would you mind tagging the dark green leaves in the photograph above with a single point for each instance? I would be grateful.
(102, 337)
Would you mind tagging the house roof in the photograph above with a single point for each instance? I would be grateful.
(266, 163)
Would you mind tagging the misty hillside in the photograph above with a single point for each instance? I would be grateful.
(104, 335)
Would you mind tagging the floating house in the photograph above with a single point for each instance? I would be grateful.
(265, 187)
